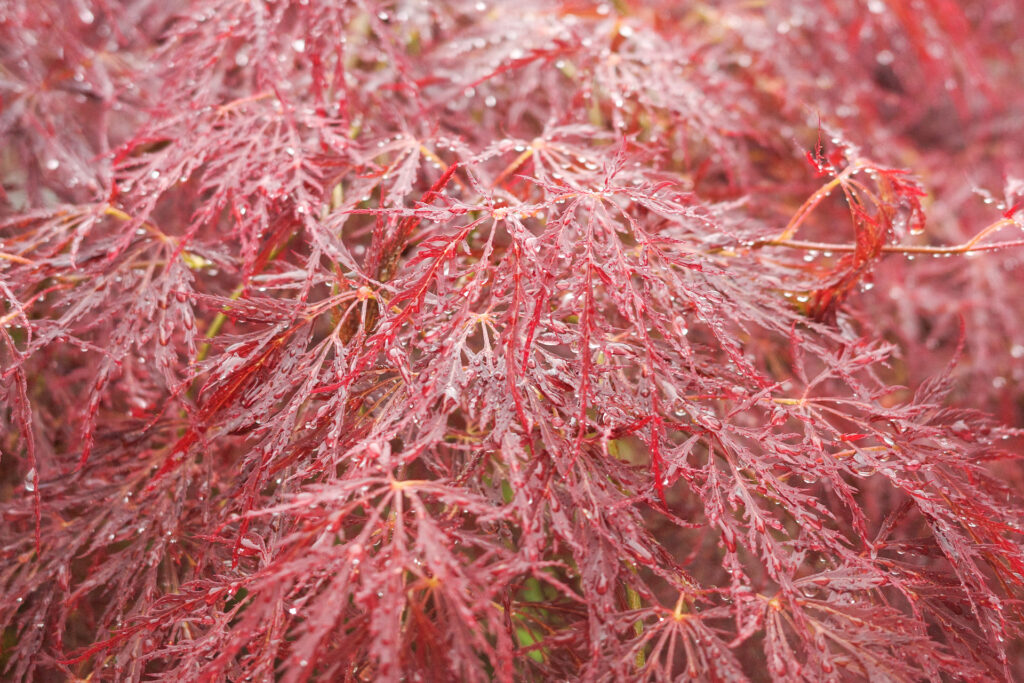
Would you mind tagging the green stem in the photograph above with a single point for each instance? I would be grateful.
(217, 323)
(634, 602)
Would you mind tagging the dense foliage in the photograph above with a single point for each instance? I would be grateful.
(535, 340)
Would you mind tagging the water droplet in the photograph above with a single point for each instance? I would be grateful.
(30, 480)
(299, 45)
(52, 164)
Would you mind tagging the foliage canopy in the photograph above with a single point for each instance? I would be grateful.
(511, 341)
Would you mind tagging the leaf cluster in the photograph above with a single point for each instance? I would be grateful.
(510, 341)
